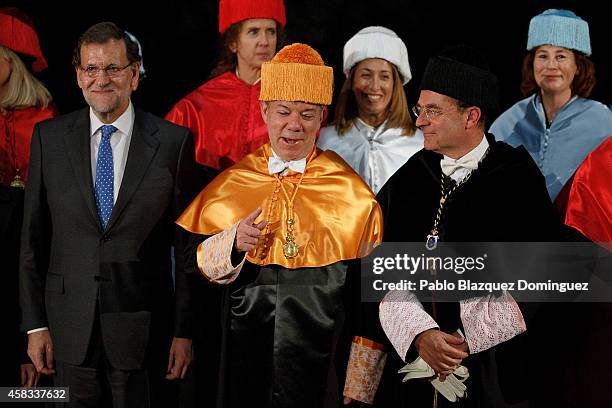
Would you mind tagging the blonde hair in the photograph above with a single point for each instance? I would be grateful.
(398, 116)
(22, 88)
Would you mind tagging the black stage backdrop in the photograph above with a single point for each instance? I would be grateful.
(180, 39)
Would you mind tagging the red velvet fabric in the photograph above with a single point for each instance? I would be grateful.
(225, 118)
(16, 128)
(589, 207)
(234, 11)
(21, 38)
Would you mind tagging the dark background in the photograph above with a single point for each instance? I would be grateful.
(180, 38)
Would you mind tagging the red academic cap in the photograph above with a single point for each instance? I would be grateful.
(17, 33)
(234, 11)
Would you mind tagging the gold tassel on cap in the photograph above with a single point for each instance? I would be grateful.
(297, 73)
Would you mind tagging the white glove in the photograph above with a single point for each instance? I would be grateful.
(417, 369)
(452, 388)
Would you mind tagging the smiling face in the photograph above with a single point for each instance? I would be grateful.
(292, 127)
(445, 130)
(256, 43)
(108, 96)
(554, 69)
(373, 89)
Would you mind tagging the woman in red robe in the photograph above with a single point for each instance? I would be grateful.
(24, 101)
(223, 114)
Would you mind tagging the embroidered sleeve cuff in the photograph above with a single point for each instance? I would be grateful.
(214, 257)
(364, 370)
(490, 320)
(402, 317)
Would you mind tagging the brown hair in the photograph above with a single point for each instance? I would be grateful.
(228, 60)
(102, 33)
(346, 107)
(583, 82)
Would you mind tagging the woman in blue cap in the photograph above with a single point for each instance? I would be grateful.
(556, 123)
(559, 127)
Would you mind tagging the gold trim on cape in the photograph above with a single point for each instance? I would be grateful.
(336, 214)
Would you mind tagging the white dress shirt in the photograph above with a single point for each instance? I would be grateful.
(120, 144)
(475, 155)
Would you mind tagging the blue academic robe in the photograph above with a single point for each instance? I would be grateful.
(577, 129)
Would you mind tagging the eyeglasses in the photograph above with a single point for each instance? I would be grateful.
(111, 71)
(429, 113)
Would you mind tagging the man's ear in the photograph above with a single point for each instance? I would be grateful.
(135, 76)
(324, 113)
(474, 115)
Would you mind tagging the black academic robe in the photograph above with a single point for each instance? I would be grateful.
(572, 341)
(504, 200)
(286, 334)
(283, 336)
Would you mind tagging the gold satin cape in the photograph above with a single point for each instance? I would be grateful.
(336, 214)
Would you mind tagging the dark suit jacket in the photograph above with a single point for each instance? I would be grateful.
(70, 269)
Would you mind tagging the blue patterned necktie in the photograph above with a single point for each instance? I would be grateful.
(105, 177)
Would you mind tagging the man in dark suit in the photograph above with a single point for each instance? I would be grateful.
(96, 284)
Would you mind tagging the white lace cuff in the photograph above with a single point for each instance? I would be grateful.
(490, 320)
(214, 257)
(403, 318)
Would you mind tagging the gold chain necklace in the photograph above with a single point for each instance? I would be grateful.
(432, 239)
(290, 248)
(11, 141)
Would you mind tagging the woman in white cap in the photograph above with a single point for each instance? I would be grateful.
(556, 123)
(372, 129)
